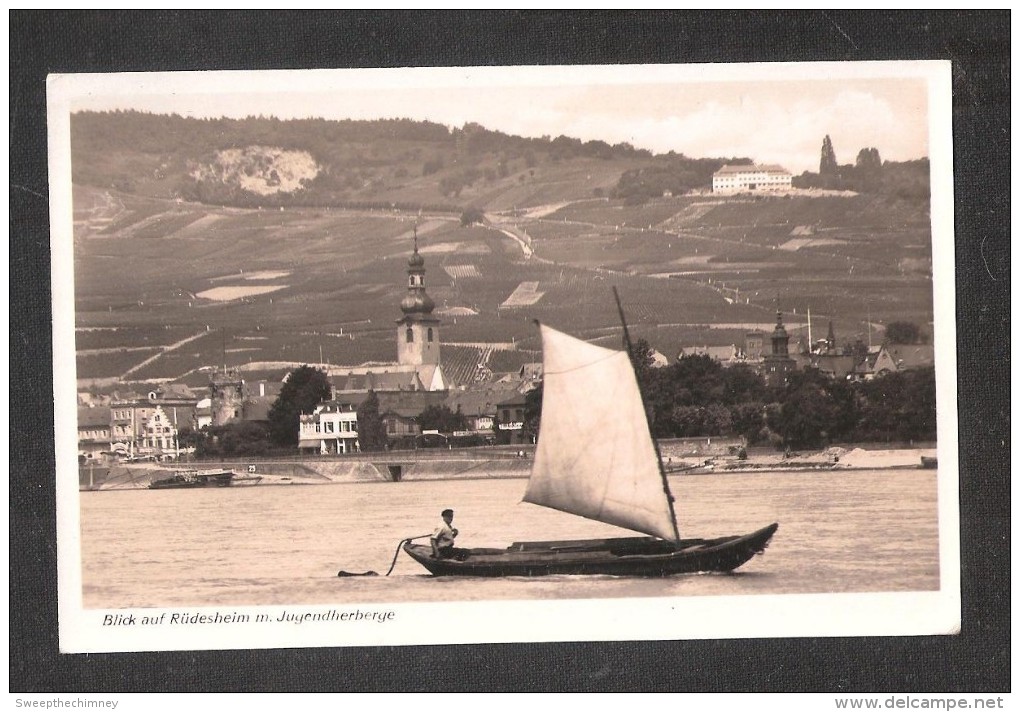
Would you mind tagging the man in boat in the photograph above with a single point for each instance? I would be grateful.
(442, 538)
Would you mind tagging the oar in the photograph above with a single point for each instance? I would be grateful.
(344, 574)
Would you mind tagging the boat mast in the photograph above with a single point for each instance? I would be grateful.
(644, 402)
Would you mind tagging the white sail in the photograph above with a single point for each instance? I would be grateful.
(595, 456)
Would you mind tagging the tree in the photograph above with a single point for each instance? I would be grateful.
(917, 413)
(868, 160)
(470, 216)
(305, 388)
(868, 169)
(441, 418)
(828, 165)
(237, 438)
(807, 416)
(747, 420)
(741, 385)
(642, 358)
(902, 332)
(433, 165)
(371, 428)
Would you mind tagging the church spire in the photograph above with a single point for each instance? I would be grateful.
(417, 329)
(780, 339)
(416, 301)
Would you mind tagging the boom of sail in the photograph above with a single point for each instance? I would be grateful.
(595, 456)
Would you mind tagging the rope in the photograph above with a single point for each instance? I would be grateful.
(344, 574)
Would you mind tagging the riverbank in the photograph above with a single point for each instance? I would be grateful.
(471, 465)
(835, 458)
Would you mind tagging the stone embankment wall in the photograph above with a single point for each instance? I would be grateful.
(320, 471)
(390, 468)
(678, 448)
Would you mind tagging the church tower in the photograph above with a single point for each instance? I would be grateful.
(780, 339)
(778, 363)
(417, 330)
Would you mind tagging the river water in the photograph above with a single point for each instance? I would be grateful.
(839, 531)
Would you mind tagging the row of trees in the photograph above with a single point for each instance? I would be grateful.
(695, 396)
(698, 396)
(908, 180)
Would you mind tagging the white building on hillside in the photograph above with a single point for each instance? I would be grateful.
(753, 178)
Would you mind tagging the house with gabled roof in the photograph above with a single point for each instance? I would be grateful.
(479, 404)
(147, 425)
(877, 363)
(383, 378)
(833, 365)
(723, 354)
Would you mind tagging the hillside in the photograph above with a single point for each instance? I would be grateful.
(261, 242)
(229, 162)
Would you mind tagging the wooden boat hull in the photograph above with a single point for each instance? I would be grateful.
(194, 481)
(247, 481)
(636, 556)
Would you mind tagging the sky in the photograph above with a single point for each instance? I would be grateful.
(770, 113)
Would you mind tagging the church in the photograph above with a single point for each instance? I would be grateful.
(419, 365)
(404, 389)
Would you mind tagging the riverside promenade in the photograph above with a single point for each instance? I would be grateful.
(701, 456)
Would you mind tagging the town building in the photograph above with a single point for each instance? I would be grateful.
(879, 362)
(480, 405)
(830, 362)
(510, 412)
(834, 365)
(754, 345)
(726, 355)
(751, 179)
(147, 426)
(399, 412)
(93, 432)
(331, 429)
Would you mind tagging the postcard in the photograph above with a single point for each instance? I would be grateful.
(504, 354)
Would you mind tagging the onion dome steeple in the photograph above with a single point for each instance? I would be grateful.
(416, 301)
(417, 329)
(780, 339)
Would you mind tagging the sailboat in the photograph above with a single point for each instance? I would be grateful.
(596, 458)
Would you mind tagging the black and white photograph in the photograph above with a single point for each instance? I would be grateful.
(504, 354)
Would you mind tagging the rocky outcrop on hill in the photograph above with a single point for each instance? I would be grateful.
(262, 170)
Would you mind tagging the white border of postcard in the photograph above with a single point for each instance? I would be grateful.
(82, 630)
